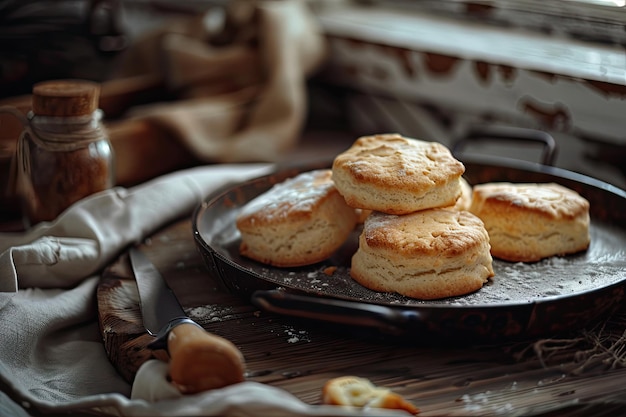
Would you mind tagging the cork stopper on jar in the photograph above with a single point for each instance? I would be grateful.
(65, 98)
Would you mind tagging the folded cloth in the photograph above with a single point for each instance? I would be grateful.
(88, 235)
(51, 357)
(236, 78)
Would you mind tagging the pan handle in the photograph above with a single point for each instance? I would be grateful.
(510, 133)
(384, 319)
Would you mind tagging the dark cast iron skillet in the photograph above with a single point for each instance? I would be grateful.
(524, 300)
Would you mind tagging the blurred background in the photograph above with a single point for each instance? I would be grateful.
(433, 70)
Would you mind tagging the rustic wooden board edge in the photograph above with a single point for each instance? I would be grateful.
(121, 326)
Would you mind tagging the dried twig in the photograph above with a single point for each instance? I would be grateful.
(603, 346)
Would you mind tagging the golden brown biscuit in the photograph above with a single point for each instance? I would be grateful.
(397, 175)
(429, 254)
(300, 221)
(531, 221)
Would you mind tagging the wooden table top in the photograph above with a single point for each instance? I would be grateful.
(578, 375)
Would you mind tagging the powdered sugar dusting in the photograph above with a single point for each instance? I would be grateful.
(295, 336)
(210, 313)
(297, 194)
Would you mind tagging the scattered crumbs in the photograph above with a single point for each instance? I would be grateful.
(473, 407)
(482, 398)
(504, 409)
(469, 405)
(210, 313)
(490, 401)
(474, 403)
(312, 274)
(257, 313)
(295, 336)
(330, 270)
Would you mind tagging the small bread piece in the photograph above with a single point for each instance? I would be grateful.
(300, 221)
(201, 361)
(531, 221)
(429, 254)
(354, 391)
(465, 200)
(397, 175)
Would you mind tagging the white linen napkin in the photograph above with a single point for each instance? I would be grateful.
(51, 354)
(87, 236)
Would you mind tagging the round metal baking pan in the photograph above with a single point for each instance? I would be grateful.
(524, 300)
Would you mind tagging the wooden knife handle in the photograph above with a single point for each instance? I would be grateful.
(201, 361)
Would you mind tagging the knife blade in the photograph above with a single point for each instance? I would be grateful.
(159, 306)
(199, 360)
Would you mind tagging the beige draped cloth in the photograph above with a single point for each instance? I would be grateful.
(235, 77)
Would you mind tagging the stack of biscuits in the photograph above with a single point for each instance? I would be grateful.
(419, 240)
(427, 233)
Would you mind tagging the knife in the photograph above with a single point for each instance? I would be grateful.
(199, 360)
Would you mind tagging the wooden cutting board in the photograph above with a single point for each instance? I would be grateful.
(300, 356)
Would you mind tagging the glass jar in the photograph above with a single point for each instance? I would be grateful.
(64, 153)
(9, 203)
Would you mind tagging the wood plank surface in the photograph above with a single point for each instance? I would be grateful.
(548, 377)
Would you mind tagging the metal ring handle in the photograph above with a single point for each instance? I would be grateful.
(508, 133)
